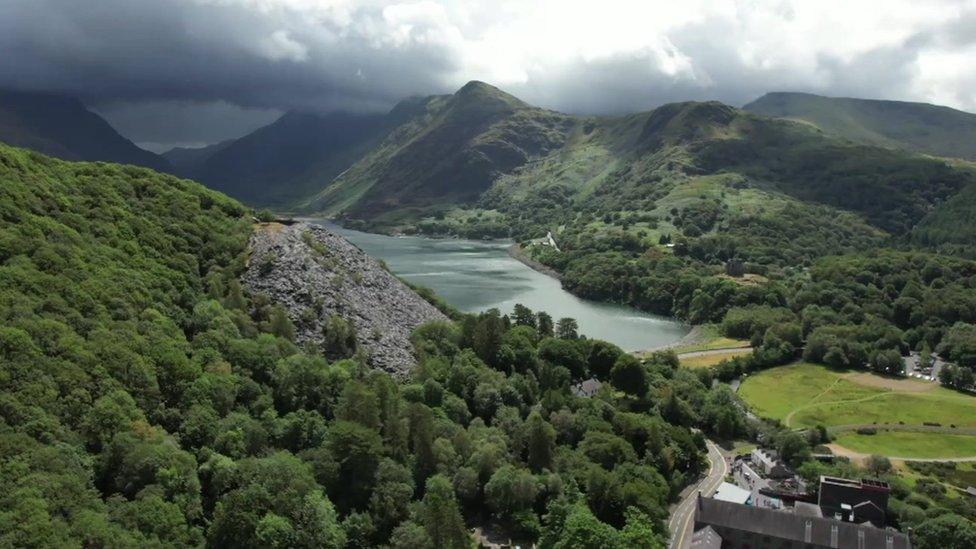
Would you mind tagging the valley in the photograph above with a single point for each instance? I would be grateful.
(700, 275)
(385, 274)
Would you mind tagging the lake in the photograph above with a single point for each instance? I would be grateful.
(475, 275)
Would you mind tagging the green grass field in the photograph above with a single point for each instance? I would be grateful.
(910, 444)
(939, 406)
(806, 395)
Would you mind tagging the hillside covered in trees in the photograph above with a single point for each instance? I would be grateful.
(146, 400)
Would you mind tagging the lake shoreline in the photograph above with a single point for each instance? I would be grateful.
(694, 336)
(477, 275)
(517, 253)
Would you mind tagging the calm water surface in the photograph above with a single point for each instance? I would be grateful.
(475, 275)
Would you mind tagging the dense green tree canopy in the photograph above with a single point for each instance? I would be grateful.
(146, 399)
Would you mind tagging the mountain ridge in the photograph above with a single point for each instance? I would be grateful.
(61, 126)
(454, 150)
(921, 127)
(285, 160)
(482, 149)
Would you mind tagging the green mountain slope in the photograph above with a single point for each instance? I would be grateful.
(62, 127)
(290, 158)
(921, 127)
(186, 160)
(951, 222)
(544, 171)
(449, 152)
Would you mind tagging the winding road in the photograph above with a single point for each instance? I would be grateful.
(682, 518)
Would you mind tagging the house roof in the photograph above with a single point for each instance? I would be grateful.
(706, 538)
(861, 484)
(731, 492)
(805, 509)
(587, 388)
(789, 526)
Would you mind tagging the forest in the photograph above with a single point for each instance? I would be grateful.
(147, 400)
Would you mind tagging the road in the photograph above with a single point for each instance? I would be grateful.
(719, 351)
(683, 514)
(692, 354)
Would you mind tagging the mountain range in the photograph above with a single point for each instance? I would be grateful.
(481, 162)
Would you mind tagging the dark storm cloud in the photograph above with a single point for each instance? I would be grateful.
(124, 50)
(134, 61)
(202, 70)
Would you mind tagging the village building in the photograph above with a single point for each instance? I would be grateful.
(861, 500)
(747, 527)
(730, 492)
(769, 463)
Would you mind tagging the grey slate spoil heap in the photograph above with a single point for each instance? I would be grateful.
(314, 274)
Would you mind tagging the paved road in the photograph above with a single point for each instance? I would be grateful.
(720, 351)
(683, 514)
(692, 354)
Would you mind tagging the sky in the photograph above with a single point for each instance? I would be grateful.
(191, 72)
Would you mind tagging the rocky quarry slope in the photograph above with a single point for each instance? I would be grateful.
(315, 274)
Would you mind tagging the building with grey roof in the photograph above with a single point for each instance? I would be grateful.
(770, 464)
(586, 388)
(744, 526)
(706, 538)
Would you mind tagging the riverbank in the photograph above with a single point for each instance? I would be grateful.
(519, 254)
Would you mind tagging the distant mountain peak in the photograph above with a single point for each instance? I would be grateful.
(477, 86)
(477, 91)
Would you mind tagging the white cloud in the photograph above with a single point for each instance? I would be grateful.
(279, 46)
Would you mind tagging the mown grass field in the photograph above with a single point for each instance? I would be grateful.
(910, 444)
(806, 395)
